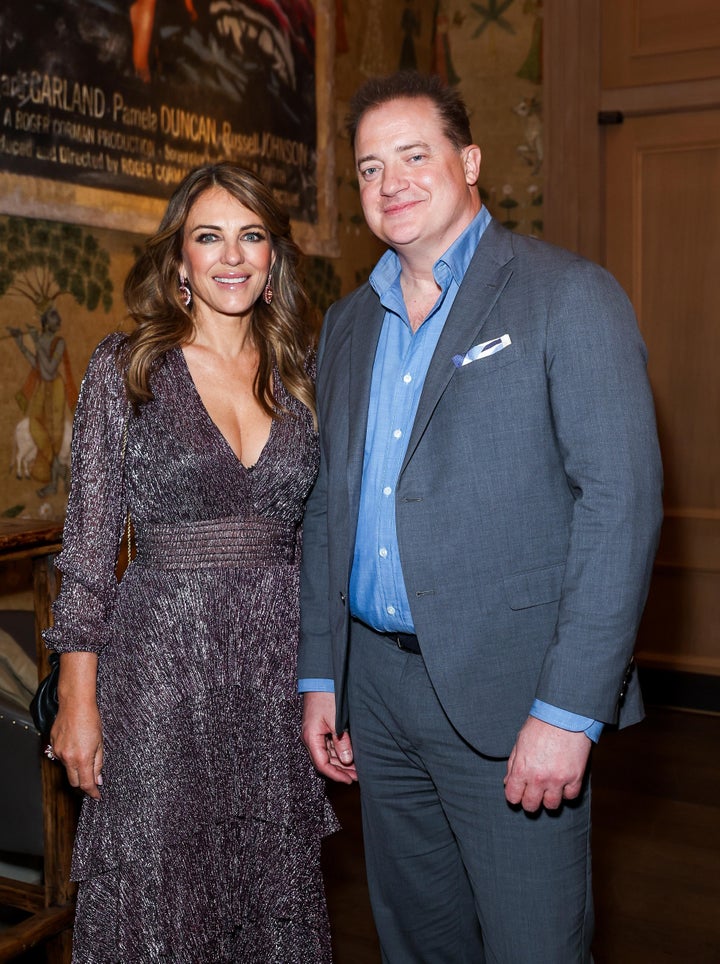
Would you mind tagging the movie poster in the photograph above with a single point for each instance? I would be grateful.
(128, 96)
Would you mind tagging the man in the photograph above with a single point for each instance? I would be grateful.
(477, 549)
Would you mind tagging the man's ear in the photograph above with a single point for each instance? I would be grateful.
(471, 160)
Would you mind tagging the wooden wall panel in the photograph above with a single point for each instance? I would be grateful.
(663, 245)
(681, 626)
(571, 67)
(659, 41)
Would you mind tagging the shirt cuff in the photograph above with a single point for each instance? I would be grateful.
(567, 720)
(316, 686)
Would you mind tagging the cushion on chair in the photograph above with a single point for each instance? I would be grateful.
(18, 673)
(21, 826)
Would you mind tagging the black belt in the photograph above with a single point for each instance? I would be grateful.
(405, 641)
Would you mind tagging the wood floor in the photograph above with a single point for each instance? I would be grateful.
(656, 846)
(656, 849)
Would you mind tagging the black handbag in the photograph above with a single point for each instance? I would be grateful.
(44, 705)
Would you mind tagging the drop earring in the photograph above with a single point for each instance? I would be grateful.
(268, 293)
(185, 292)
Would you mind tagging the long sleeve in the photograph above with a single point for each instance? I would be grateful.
(97, 508)
(315, 652)
(605, 428)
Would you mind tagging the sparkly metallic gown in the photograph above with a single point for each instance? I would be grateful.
(205, 846)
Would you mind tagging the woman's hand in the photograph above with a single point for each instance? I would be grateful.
(76, 735)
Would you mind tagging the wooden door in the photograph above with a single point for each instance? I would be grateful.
(641, 194)
(662, 175)
(662, 241)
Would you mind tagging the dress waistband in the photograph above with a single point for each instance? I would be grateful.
(215, 543)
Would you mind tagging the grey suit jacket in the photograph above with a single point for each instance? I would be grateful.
(528, 506)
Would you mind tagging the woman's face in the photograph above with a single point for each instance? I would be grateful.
(226, 255)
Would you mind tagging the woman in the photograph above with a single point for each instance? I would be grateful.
(200, 832)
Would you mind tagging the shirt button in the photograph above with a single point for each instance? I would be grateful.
(387, 490)
(383, 553)
(407, 378)
(390, 610)
(397, 433)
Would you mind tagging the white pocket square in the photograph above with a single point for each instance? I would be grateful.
(483, 350)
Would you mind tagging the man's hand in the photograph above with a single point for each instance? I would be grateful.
(331, 754)
(546, 766)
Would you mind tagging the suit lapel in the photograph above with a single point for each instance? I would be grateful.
(485, 278)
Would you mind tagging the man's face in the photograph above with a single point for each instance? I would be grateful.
(416, 188)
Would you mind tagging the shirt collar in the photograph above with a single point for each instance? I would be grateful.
(453, 263)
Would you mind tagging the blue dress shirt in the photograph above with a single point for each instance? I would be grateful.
(377, 588)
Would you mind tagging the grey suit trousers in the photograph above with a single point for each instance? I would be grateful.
(456, 875)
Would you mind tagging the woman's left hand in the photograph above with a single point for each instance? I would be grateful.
(76, 737)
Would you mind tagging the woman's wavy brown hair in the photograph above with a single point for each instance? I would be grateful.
(282, 332)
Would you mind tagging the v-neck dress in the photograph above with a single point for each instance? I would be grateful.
(205, 845)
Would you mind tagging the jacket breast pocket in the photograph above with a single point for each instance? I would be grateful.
(490, 364)
(534, 587)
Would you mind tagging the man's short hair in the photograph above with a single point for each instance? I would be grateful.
(411, 83)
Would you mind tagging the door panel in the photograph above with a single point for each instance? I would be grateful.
(662, 180)
(659, 41)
